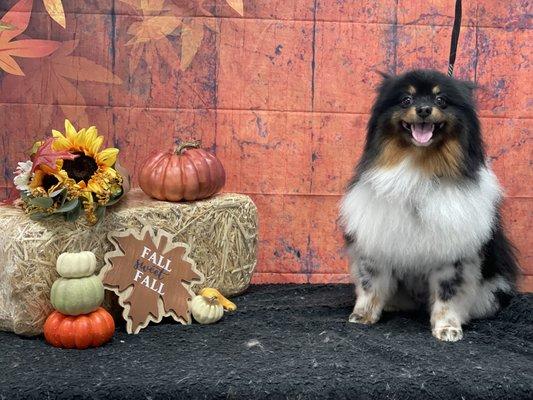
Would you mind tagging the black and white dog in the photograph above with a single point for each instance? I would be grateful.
(421, 215)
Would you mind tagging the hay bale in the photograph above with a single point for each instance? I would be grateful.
(222, 233)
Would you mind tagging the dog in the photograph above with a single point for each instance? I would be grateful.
(421, 215)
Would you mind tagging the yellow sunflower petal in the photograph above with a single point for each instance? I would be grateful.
(79, 140)
(70, 131)
(61, 175)
(111, 173)
(91, 134)
(37, 179)
(95, 187)
(60, 142)
(87, 196)
(91, 141)
(97, 143)
(107, 157)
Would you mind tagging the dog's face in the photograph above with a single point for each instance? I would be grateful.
(424, 108)
(427, 115)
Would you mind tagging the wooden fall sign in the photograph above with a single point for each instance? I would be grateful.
(152, 275)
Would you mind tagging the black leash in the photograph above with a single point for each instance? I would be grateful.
(455, 36)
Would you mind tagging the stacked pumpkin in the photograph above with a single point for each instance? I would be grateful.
(78, 320)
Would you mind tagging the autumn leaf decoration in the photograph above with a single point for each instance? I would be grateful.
(161, 21)
(56, 11)
(13, 23)
(237, 6)
(66, 75)
(151, 275)
(46, 155)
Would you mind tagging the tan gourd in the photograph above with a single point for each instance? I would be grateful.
(206, 310)
(210, 292)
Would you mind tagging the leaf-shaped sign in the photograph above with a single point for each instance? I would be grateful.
(45, 155)
(152, 275)
(192, 35)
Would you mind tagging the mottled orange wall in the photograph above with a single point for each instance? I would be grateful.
(282, 94)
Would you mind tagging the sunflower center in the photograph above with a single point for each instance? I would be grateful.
(82, 168)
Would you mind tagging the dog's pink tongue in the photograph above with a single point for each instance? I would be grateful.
(422, 132)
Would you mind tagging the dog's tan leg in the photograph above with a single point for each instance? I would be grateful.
(374, 286)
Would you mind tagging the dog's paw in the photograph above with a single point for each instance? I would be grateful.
(448, 333)
(363, 318)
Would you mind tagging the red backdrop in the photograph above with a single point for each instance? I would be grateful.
(280, 90)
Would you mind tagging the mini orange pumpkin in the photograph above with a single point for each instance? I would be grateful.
(80, 331)
(188, 173)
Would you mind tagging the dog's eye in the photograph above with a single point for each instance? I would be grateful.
(440, 101)
(407, 101)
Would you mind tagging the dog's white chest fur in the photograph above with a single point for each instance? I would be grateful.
(400, 216)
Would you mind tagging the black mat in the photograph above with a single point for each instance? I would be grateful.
(285, 342)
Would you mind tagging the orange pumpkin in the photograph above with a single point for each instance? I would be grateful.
(188, 173)
(80, 331)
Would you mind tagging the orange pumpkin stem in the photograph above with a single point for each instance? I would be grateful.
(181, 147)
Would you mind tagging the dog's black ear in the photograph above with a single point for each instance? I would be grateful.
(385, 75)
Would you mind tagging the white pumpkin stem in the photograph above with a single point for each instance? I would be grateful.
(184, 146)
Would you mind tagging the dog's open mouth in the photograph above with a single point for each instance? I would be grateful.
(422, 132)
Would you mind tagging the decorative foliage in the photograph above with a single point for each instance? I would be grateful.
(65, 74)
(192, 35)
(56, 12)
(161, 20)
(151, 275)
(13, 23)
(69, 174)
(237, 6)
(49, 157)
(155, 25)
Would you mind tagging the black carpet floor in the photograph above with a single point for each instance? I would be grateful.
(285, 342)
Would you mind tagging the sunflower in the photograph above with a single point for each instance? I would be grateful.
(92, 169)
(47, 178)
(47, 181)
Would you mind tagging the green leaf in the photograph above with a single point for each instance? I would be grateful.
(115, 199)
(99, 212)
(57, 192)
(73, 215)
(39, 216)
(43, 202)
(68, 206)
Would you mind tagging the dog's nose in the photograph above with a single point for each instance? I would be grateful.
(423, 111)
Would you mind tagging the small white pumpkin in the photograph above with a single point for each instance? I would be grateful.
(76, 265)
(206, 310)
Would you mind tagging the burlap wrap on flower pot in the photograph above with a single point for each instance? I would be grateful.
(222, 233)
